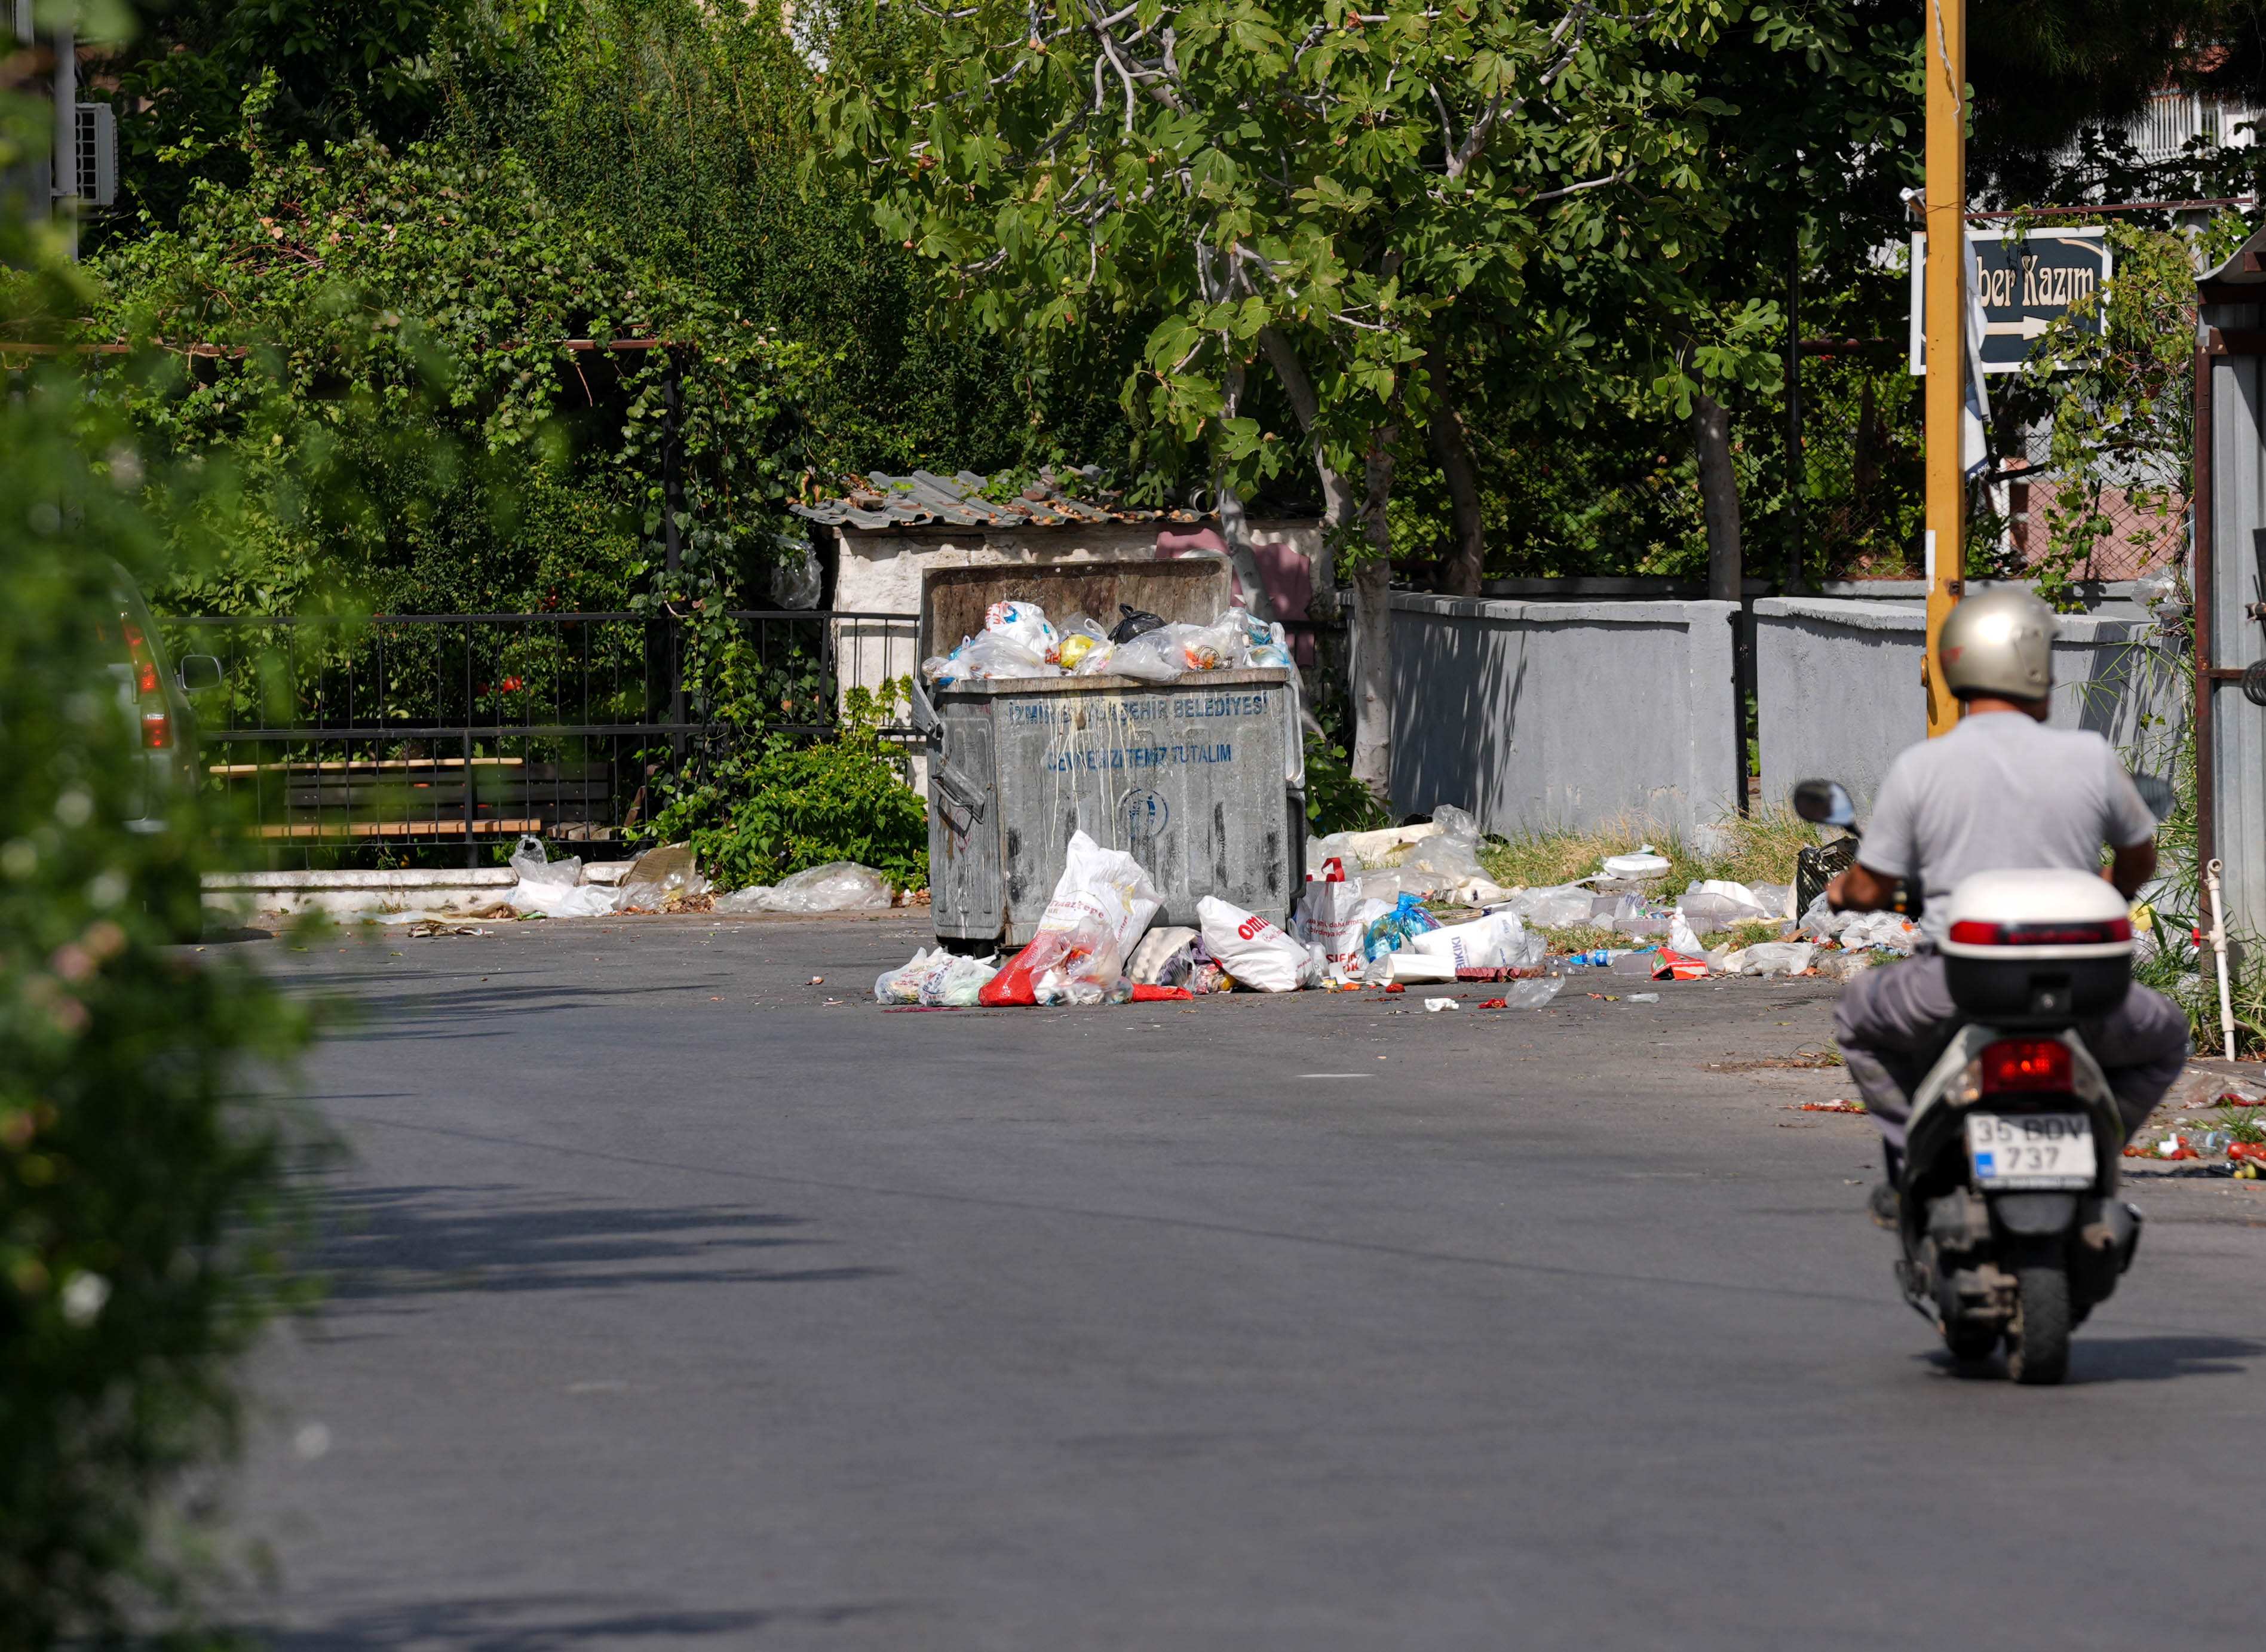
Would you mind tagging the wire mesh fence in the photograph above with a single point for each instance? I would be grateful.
(2117, 512)
(406, 735)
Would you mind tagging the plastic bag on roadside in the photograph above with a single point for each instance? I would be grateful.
(1335, 917)
(659, 874)
(837, 886)
(1773, 958)
(554, 888)
(1887, 929)
(1496, 941)
(903, 985)
(1531, 994)
(1101, 904)
(956, 986)
(1778, 897)
(1554, 906)
(1257, 954)
(752, 899)
(1154, 960)
(1397, 928)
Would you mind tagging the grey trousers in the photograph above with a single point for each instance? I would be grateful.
(1894, 1021)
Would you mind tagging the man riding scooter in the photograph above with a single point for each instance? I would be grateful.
(2001, 790)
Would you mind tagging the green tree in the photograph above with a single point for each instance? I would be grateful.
(375, 345)
(1348, 196)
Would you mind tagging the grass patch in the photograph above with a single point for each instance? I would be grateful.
(1756, 848)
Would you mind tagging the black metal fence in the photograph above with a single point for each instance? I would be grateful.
(404, 734)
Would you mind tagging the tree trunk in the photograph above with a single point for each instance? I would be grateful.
(1240, 554)
(1719, 495)
(1372, 629)
(1337, 491)
(1453, 455)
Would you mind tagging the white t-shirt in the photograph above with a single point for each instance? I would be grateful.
(2000, 791)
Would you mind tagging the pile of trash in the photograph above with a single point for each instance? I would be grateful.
(666, 879)
(1438, 858)
(1018, 640)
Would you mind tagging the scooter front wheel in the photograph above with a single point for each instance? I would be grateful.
(2037, 1341)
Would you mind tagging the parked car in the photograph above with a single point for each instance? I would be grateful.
(154, 691)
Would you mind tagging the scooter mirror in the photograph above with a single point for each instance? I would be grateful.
(1824, 802)
(2157, 793)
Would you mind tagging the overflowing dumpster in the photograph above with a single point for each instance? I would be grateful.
(1199, 778)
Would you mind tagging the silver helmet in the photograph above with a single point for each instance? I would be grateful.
(1998, 642)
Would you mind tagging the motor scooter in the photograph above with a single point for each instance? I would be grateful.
(2008, 1208)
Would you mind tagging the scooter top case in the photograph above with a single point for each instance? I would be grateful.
(2036, 946)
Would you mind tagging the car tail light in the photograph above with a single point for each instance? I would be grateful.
(145, 662)
(2025, 1064)
(156, 730)
(1982, 932)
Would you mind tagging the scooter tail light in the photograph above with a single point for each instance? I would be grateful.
(2025, 1064)
(1982, 933)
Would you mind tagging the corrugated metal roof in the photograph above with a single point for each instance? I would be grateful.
(923, 499)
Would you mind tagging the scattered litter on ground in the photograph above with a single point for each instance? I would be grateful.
(425, 926)
(1644, 998)
(1836, 1106)
(1529, 994)
(837, 886)
(1435, 1005)
(1101, 904)
(554, 888)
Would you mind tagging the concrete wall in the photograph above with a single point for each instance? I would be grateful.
(1837, 690)
(1536, 715)
(2237, 746)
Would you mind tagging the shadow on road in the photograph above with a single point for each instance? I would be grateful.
(2128, 1359)
(394, 1241)
(542, 1624)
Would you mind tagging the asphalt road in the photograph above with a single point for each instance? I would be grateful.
(677, 1307)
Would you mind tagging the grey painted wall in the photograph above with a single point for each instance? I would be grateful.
(2237, 513)
(1535, 715)
(1837, 688)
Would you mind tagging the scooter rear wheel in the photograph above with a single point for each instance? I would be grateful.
(2037, 1342)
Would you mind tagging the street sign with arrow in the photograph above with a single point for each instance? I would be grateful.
(2026, 283)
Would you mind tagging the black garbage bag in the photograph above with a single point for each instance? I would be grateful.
(1137, 623)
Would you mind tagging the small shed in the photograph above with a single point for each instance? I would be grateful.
(885, 532)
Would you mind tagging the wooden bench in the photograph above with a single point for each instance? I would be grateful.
(361, 798)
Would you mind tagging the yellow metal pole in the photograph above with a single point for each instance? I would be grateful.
(1945, 319)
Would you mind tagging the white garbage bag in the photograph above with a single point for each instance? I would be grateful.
(1335, 917)
(956, 985)
(1101, 903)
(1498, 941)
(905, 984)
(1252, 951)
(554, 888)
(1887, 929)
(1770, 958)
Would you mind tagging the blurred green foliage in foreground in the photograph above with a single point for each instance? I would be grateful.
(143, 1192)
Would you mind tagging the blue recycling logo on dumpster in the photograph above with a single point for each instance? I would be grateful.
(1145, 813)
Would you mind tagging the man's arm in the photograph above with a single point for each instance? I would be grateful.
(1860, 889)
(2132, 868)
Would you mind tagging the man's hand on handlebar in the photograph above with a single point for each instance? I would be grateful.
(1860, 889)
